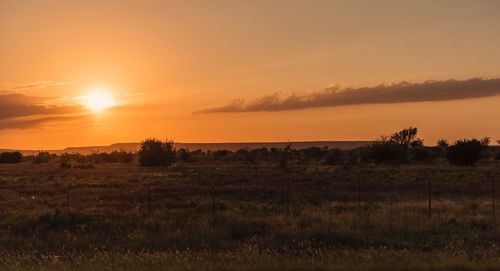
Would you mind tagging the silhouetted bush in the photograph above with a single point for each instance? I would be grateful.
(395, 149)
(465, 152)
(185, 155)
(113, 157)
(261, 154)
(334, 157)
(153, 153)
(65, 160)
(220, 153)
(315, 153)
(285, 156)
(42, 157)
(10, 157)
(497, 156)
(422, 153)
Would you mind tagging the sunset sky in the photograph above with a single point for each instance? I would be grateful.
(79, 73)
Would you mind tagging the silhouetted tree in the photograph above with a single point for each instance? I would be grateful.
(395, 148)
(466, 152)
(10, 157)
(154, 152)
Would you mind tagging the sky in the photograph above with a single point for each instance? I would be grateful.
(82, 73)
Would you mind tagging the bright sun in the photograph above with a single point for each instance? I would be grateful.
(98, 100)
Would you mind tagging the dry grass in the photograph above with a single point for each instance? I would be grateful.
(113, 225)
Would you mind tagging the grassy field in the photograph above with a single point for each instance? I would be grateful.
(226, 216)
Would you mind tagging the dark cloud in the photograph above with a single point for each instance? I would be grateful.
(21, 123)
(15, 105)
(382, 94)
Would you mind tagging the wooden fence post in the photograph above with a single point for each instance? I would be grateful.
(67, 204)
(359, 197)
(149, 198)
(429, 195)
(213, 199)
(493, 203)
(287, 197)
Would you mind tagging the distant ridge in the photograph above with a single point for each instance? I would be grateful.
(345, 145)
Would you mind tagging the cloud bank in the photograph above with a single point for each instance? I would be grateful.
(382, 94)
(21, 111)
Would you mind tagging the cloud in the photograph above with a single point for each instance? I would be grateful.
(15, 105)
(21, 123)
(382, 94)
(32, 85)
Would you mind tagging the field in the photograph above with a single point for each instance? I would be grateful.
(214, 215)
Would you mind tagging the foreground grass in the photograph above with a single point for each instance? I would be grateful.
(116, 223)
(248, 258)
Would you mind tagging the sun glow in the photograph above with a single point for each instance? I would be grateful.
(97, 100)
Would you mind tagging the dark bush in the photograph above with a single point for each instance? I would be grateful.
(153, 153)
(184, 155)
(65, 161)
(334, 157)
(42, 157)
(422, 153)
(315, 153)
(464, 152)
(285, 155)
(395, 149)
(497, 156)
(10, 157)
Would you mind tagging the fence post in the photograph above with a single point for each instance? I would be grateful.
(359, 197)
(149, 198)
(493, 203)
(429, 195)
(213, 199)
(67, 204)
(287, 196)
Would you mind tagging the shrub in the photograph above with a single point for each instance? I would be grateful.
(10, 157)
(42, 157)
(285, 155)
(465, 152)
(247, 156)
(422, 153)
(395, 148)
(65, 161)
(334, 157)
(153, 153)
(315, 153)
(184, 155)
(497, 157)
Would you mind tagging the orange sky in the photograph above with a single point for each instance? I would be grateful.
(162, 61)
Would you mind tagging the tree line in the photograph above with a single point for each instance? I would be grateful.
(402, 147)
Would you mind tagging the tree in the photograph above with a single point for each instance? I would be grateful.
(154, 153)
(466, 152)
(406, 137)
(395, 148)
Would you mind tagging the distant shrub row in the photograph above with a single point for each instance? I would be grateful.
(399, 148)
(10, 157)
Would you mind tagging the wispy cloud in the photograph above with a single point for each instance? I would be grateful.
(382, 94)
(34, 85)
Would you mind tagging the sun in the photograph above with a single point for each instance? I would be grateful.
(98, 100)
